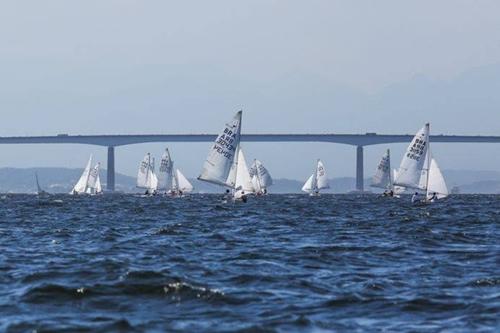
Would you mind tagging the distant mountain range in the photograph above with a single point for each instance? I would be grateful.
(61, 180)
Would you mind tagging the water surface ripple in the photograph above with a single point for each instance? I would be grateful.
(285, 263)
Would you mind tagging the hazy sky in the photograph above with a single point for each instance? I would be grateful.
(123, 66)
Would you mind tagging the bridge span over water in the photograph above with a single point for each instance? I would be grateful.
(357, 140)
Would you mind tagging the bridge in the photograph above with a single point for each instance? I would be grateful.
(357, 140)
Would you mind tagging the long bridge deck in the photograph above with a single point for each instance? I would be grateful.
(358, 140)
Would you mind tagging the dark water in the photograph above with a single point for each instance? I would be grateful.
(287, 263)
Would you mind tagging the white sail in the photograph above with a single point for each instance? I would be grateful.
(321, 178)
(165, 172)
(92, 180)
(382, 177)
(436, 183)
(223, 154)
(183, 184)
(256, 184)
(262, 174)
(412, 164)
(39, 189)
(81, 185)
(144, 175)
(98, 187)
(153, 185)
(309, 185)
(243, 180)
(395, 188)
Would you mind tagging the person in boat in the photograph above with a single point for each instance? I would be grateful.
(434, 197)
(415, 198)
(388, 193)
(264, 191)
(243, 197)
(180, 193)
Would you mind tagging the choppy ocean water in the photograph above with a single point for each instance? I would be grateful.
(284, 263)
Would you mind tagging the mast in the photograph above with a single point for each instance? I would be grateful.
(390, 170)
(428, 162)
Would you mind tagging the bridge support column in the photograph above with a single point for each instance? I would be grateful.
(110, 185)
(359, 169)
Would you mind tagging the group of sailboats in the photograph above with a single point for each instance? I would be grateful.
(418, 170)
(89, 182)
(168, 181)
(226, 165)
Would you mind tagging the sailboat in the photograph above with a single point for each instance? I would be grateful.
(261, 179)
(146, 178)
(89, 182)
(318, 180)
(39, 190)
(384, 177)
(173, 183)
(220, 167)
(419, 170)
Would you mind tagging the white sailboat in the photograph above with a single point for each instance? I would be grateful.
(171, 182)
(221, 165)
(89, 182)
(383, 178)
(261, 179)
(418, 170)
(146, 178)
(318, 180)
(39, 190)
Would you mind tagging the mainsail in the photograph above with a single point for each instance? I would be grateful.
(222, 157)
(382, 177)
(39, 189)
(81, 185)
(165, 172)
(413, 163)
(146, 178)
(94, 182)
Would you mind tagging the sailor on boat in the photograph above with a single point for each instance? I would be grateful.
(388, 193)
(415, 198)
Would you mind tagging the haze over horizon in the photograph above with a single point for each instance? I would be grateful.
(123, 67)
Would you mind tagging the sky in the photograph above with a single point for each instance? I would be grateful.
(147, 66)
